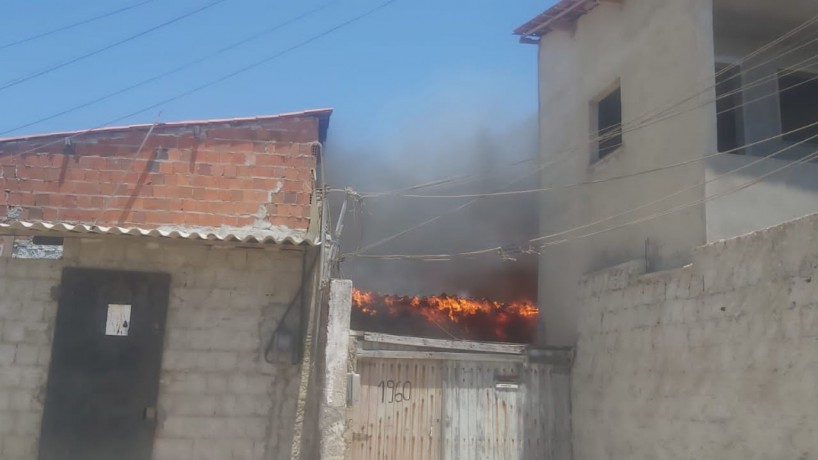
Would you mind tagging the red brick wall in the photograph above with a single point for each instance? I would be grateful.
(209, 174)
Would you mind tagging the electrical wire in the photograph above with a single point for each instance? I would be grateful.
(440, 216)
(504, 250)
(226, 76)
(616, 178)
(72, 25)
(17, 81)
(633, 126)
(174, 70)
(708, 85)
(119, 184)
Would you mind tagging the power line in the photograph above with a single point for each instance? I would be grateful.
(15, 82)
(614, 178)
(480, 196)
(707, 199)
(174, 70)
(224, 77)
(503, 250)
(73, 25)
(107, 201)
(768, 46)
(663, 114)
(440, 216)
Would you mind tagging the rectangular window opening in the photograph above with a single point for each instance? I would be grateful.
(798, 101)
(609, 123)
(38, 247)
(729, 115)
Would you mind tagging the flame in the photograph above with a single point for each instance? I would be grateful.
(458, 317)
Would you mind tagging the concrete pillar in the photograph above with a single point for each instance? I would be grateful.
(332, 411)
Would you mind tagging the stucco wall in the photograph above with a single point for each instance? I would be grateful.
(218, 398)
(785, 195)
(661, 52)
(713, 360)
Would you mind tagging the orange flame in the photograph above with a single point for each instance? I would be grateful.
(474, 319)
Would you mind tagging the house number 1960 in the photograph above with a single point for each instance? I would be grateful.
(392, 391)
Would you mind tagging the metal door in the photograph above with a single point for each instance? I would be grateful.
(398, 415)
(104, 376)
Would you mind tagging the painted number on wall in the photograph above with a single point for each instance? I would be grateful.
(395, 392)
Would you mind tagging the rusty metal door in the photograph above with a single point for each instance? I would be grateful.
(400, 410)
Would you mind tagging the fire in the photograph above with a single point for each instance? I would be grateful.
(457, 317)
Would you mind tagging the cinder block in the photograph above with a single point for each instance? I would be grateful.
(247, 427)
(216, 383)
(7, 352)
(25, 354)
(27, 423)
(249, 384)
(173, 449)
(19, 447)
(183, 382)
(210, 449)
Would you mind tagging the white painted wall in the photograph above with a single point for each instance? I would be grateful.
(661, 51)
(716, 360)
(218, 398)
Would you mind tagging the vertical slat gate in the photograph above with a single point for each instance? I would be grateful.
(460, 410)
(482, 420)
(398, 415)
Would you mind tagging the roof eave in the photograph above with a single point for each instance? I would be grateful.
(322, 115)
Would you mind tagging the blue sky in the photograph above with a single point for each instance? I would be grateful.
(395, 66)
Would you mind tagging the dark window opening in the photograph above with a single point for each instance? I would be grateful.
(609, 123)
(729, 116)
(38, 247)
(798, 100)
(47, 240)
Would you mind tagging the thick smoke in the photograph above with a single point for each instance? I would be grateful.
(440, 146)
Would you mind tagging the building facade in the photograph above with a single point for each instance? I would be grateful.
(177, 319)
(665, 125)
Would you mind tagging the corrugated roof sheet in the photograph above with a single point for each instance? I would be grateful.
(272, 235)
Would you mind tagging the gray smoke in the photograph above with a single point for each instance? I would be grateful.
(439, 147)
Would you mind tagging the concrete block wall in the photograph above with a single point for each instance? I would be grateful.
(27, 314)
(718, 359)
(218, 397)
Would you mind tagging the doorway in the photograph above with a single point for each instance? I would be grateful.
(103, 381)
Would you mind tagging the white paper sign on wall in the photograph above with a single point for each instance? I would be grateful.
(119, 319)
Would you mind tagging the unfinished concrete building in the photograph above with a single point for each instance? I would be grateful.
(664, 125)
(668, 128)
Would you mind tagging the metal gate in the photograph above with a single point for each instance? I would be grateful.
(469, 405)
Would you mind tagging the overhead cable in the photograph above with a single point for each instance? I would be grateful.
(173, 70)
(567, 232)
(73, 25)
(223, 77)
(17, 81)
